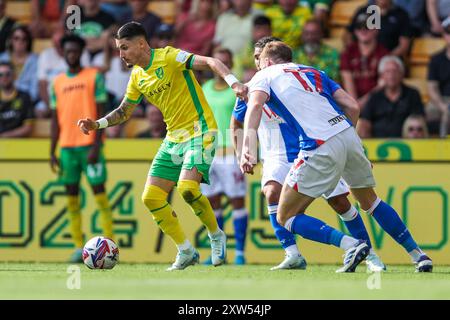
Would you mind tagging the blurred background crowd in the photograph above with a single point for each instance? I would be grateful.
(399, 72)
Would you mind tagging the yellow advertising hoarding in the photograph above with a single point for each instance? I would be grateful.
(414, 177)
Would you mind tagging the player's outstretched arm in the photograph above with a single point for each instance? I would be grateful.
(251, 124)
(119, 115)
(217, 66)
(349, 105)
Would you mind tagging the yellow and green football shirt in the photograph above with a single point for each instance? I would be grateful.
(169, 83)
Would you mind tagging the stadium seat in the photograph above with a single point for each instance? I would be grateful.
(135, 126)
(343, 11)
(165, 9)
(421, 85)
(418, 71)
(424, 48)
(40, 45)
(19, 10)
(41, 128)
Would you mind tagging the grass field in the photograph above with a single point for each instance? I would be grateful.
(151, 281)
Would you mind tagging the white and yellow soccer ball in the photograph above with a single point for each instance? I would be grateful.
(100, 253)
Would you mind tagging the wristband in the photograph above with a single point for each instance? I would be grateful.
(230, 79)
(102, 123)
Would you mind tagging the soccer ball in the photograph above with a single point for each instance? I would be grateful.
(100, 253)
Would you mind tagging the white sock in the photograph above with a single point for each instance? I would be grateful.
(186, 245)
(372, 251)
(215, 234)
(292, 250)
(348, 242)
(416, 254)
(288, 223)
(272, 208)
(239, 213)
(351, 214)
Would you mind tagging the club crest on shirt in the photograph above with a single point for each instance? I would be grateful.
(159, 72)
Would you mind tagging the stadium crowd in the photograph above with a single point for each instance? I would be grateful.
(375, 65)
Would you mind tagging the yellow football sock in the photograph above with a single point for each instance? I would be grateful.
(155, 199)
(73, 207)
(105, 214)
(190, 191)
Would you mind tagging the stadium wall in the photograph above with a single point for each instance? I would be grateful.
(413, 176)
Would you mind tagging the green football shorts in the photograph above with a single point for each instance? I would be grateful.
(73, 161)
(172, 157)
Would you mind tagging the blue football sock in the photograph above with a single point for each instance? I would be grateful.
(355, 225)
(389, 220)
(240, 231)
(220, 222)
(315, 230)
(285, 237)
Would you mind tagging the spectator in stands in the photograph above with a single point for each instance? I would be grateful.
(16, 110)
(164, 36)
(395, 28)
(315, 53)
(320, 9)
(234, 27)
(116, 8)
(157, 125)
(388, 108)
(415, 127)
(438, 11)
(438, 111)
(244, 63)
(48, 16)
(195, 30)
(140, 13)
(359, 62)
(6, 25)
(24, 61)
(288, 19)
(417, 14)
(94, 26)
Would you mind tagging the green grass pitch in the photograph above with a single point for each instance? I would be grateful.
(151, 281)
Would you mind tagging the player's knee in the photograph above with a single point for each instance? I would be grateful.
(189, 190)
(272, 194)
(281, 219)
(153, 197)
(340, 204)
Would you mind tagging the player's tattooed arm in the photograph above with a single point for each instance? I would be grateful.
(121, 114)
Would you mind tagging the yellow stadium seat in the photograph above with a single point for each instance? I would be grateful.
(418, 71)
(424, 48)
(40, 45)
(41, 128)
(135, 126)
(19, 10)
(337, 32)
(342, 11)
(421, 85)
(165, 9)
(336, 43)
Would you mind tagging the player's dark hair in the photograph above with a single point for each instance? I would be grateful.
(277, 51)
(262, 21)
(261, 43)
(73, 38)
(130, 30)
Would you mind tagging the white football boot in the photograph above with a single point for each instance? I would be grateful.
(218, 247)
(295, 261)
(354, 256)
(184, 259)
(374, 263)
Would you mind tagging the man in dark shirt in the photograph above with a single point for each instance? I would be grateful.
(438, 112)
(388, 108)
(395, 28)
(16, 109)
(94, 26)
(140, 14)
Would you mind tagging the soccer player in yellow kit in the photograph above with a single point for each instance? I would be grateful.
(165, 78)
